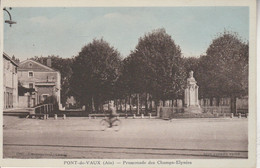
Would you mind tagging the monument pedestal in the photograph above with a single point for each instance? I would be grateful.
(191, 101)
(191, 109)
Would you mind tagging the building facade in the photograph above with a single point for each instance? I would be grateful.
(44, 79)
(10, 82)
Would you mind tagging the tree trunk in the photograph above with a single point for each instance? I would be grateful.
(175, 102)
(151, 105)
(156, 107)
(116, 104)
(88, 106)
(138, 105)
(101, 107)
(120, 104)
(218, 100)
(96, 105)
(125, 103)
(211, 101)
(233, 105)
(108, 105)
(146, 103)
(130, 103)
(92, 105)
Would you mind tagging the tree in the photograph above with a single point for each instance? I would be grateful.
(158, 66)
(227, 67)
(16, 60)
(191, 64)
(95, 72)
(22, 90)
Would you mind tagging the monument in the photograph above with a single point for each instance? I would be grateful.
(191, 101)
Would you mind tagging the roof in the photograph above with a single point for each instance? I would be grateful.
(9, 58)
(39, 66)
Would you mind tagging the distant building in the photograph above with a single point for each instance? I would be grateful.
(10, 82)
(44, 79)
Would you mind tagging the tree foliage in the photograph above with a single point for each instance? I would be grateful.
(155, 66)
(95, 72)
(227, 66)
(22, 90)
(16, 60)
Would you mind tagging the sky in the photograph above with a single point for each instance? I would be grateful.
(64, 31)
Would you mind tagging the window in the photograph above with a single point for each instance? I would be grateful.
(44, 97)
(30, 85)
(30, 74)
(30, 65)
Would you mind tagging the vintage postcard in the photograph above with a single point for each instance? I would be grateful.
(144, 83)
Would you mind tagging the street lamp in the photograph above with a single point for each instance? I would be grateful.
(10, 22)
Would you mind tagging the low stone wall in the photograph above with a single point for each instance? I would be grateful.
(216, 109)
(207, 112)
(194, 115)
(167, 112)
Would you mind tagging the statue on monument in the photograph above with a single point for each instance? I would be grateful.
(191, 74)
(191, 78)
(191, 100)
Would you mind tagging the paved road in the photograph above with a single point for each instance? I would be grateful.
(137, 139)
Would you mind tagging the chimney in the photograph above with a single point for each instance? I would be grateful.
(49, 62)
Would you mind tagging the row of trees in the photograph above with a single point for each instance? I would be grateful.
(154, 70)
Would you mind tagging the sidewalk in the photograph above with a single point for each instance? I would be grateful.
(17, 112)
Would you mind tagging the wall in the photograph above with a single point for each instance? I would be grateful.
(23, 101)
(24, 78)
(10, 84)
(45, 90)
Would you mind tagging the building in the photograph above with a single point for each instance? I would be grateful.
(10, 82)
(44, 79)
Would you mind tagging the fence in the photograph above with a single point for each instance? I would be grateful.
(216, 109)
(42, 109)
